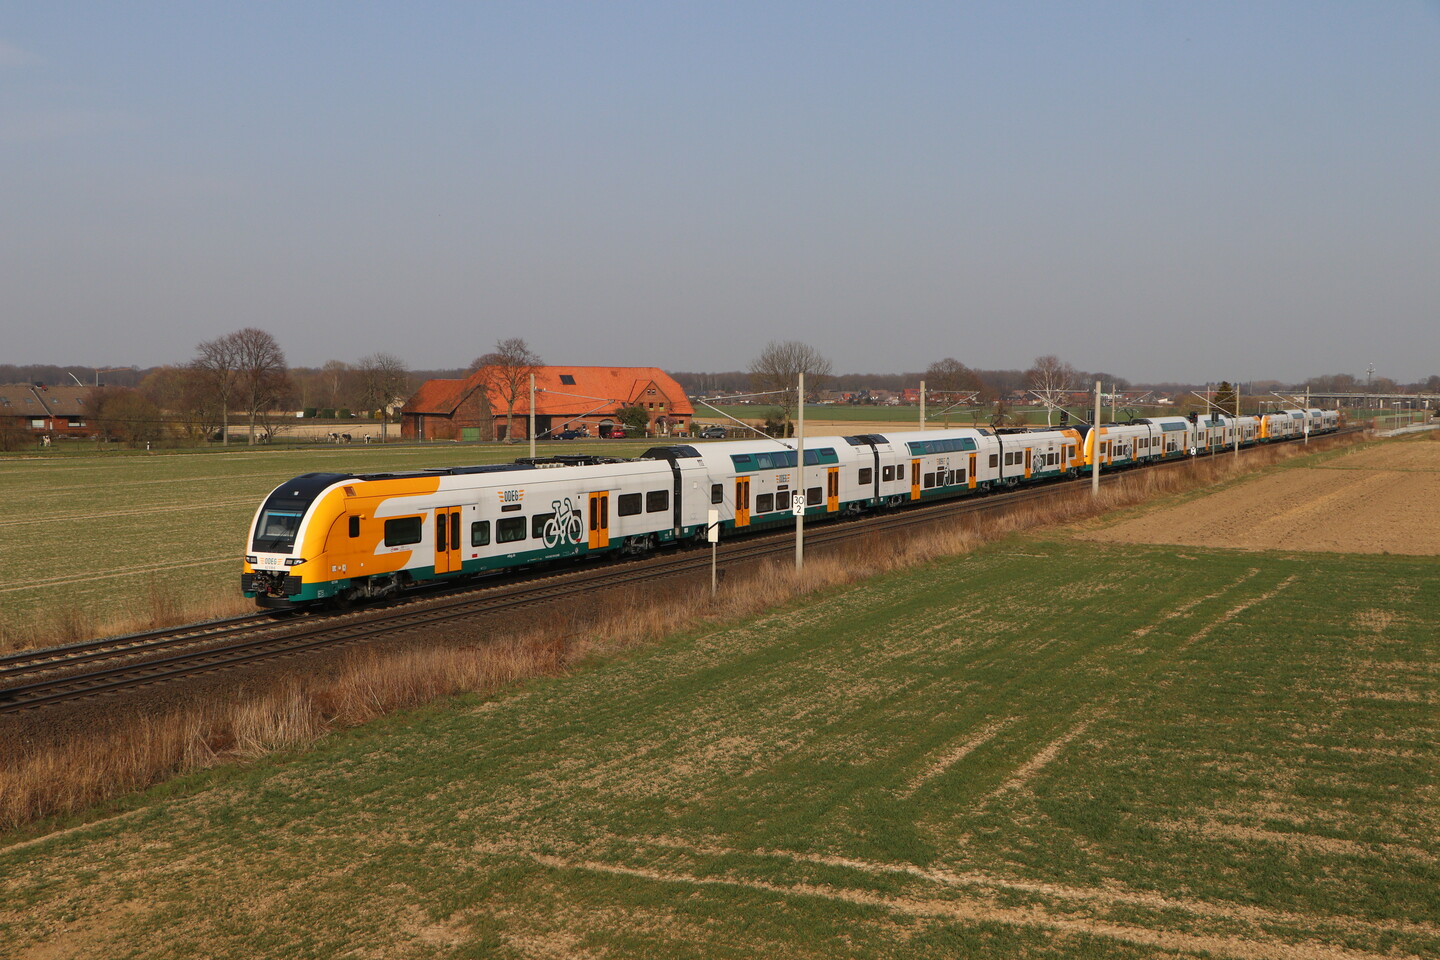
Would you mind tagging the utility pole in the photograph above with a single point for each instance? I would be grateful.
(532, 416)
(1095, 446)
(800, 470)
(1307, 411)
(1237, 418)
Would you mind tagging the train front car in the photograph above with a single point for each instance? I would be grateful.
(291, 523)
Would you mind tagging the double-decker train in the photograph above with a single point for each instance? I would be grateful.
(331, 537)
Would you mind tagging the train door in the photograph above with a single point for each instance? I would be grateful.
(1028, 452)
(914, 479)
(974, 459)
(447, 539)
(832, 489)
(742, 501)
(599, 520)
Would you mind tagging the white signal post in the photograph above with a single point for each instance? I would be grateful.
(712, 533)
(800, 468)
(922, 404)
(532, 416)
(1095, 446)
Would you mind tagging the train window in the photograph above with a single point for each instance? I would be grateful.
(537, 524)
(657, 500)
(765, 503)
(867, 476)
(929, 480)
(994, 459)
(354, 527)
(402, 530)
(959, 476)
(717, 493)
(762, 461)
(1051, 460)
(782, 500)
(628, 504)
(509, 529)
(813, 496)
(887, 474)
(480, 533)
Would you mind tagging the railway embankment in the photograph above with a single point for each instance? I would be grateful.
(88, 756)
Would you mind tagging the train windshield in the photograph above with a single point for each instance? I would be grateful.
(275, 533)
(284, 510)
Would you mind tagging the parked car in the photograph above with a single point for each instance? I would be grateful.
(571, 434)
(712, 433)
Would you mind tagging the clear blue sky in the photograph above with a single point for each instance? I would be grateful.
(1183, 191)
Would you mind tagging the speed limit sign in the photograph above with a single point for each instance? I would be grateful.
(797, 504)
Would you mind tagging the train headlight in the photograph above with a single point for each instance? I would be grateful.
(293, 561)
(252, 560)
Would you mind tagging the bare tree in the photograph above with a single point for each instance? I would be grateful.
(335, 379)
(1051, 379)
(506, 372)
(262, 374)
(778, 370)
(384, 379)
(951, 382)
(182, 394)
(216, 364)
(126, 414)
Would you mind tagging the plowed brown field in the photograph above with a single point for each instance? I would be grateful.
(1380, 499)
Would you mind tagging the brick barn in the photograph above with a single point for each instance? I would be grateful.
(42, 411)
(566, 398)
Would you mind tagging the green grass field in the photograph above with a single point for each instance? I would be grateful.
(1049, 748)
(102, 537)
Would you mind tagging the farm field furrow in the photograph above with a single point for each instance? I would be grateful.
(1048, 748)
(1382, 498)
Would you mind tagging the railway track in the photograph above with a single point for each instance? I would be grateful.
(42, 678)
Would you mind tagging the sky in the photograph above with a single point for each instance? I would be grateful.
(1164, 191)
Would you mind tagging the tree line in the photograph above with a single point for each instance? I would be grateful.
(241, 378)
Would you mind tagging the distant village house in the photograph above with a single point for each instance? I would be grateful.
(566, 399)
(45, 411)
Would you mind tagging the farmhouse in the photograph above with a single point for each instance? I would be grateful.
(44, 411)
(566, 399)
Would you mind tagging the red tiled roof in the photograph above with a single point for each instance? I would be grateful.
(438, 397)
(595, 390)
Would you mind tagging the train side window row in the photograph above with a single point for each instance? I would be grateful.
(867, 475)
(944, 478)
(781, 459)
(656, 501)
(400, 531)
